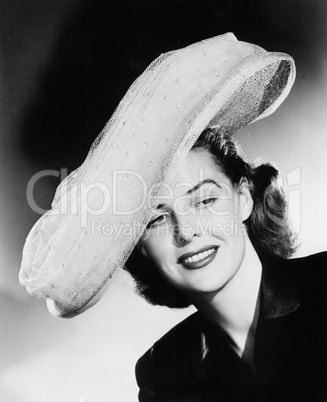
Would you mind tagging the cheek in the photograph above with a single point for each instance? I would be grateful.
(156, 248)
(224, 220)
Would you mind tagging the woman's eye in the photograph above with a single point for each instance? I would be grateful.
(205, 202)
(158, 220)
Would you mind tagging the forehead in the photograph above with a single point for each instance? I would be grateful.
(196, 167)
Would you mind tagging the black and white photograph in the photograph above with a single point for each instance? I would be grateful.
(163, 230)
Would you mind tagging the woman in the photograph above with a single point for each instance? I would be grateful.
(209, 229)
(258, 328)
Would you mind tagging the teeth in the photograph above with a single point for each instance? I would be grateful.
(199, 256)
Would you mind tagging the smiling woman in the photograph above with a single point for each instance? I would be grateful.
(175, 251)
(215, 233)
(227, 202)
(189, 231)
(196, 250)
(250, 327)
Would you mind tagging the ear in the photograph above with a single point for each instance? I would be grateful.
(246, 200)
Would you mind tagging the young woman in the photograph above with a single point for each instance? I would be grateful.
(206, 227)
(222, 242)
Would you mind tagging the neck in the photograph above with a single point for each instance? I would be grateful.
(235, 307)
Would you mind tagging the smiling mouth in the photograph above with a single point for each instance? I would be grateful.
(199, 259)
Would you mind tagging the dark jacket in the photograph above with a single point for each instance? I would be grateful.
(192, 362)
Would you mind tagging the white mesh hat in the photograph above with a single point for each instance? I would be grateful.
(100, 211)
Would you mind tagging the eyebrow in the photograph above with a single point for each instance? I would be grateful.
(202, 183)
(195, 188)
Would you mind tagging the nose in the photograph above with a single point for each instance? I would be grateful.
(184, 231)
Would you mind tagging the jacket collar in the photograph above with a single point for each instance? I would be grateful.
(279, 297)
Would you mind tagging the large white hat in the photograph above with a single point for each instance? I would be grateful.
(99, 212)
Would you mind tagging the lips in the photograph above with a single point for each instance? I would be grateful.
(199, 258)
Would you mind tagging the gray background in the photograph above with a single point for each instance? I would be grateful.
(65, 64)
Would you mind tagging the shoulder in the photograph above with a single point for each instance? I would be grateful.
(176, 337)
(309, 269)
(313, 260)
(296, 263)
(310, 273)
(301, 268)
(186, 333)
(173, 360)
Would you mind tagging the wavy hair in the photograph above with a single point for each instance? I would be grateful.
(268, 226)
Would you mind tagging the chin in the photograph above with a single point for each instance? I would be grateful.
(215, 276)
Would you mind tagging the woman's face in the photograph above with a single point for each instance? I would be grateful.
(196, 236)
